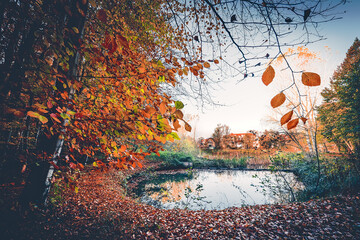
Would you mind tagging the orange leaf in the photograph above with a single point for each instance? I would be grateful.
(23, 168)
(278, 100)
(19, 114)
(122, 148)
(178, 114)
(176, 125)
(310, 79)
(80, 166)
(292, 124)
(142, 70)
(187, 127)
(216, 61)
(206, 64)
(304, 119)
(162, 108)
(284, 119)
(53, 116)
(49, 104)
(33, 114)
(268, 75)
(101, 15)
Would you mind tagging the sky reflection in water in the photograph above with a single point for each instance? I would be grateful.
(220, 189)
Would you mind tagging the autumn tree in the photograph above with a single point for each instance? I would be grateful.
(92, 84)
(271, 139)
(340, 112)
(219, 134)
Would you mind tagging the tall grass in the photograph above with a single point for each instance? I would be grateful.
(255, 157)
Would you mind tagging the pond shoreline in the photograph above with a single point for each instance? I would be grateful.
(158, 181)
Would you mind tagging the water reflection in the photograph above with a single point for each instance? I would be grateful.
(219, 189)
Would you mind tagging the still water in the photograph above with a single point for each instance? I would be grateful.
(218, 189)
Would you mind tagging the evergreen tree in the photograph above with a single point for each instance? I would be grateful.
(340, 112)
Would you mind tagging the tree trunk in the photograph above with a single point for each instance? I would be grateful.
(76, 20)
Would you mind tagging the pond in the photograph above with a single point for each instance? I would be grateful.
(217, 189)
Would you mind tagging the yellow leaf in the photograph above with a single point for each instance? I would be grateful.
(75, 30)
(278, 100)
(284, 119)
(268, 75)
(292, 124)
(76, 189)
(43, 119)
(310, 79)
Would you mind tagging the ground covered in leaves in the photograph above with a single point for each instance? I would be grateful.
(101, 211)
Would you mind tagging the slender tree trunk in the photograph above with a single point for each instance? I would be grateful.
(78, 21)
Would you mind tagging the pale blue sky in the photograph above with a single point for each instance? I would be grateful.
(247, 103)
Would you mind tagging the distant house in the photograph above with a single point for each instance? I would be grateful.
(241, 141)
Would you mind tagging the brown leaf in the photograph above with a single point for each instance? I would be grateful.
(284, 119)
(304, 119)
(101, 15)
(292, 124)
(310, 79)
(19, 114)
(187, 127)
(178, 114)
(122, 40)
(268, 75)
(278, 100)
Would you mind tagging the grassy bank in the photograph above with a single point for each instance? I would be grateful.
(178, 160)
(333, 175)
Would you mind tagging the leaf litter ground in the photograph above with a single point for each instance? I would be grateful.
(100, 211)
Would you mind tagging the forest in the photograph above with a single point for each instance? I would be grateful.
(96, 142)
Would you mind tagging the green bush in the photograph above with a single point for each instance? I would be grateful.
(172, 160)
(221, 163)
(175, 160)
(336, 174)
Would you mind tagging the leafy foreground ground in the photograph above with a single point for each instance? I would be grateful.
(99, 211)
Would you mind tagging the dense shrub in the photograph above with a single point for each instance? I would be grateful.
(175, 160)
(336, 174)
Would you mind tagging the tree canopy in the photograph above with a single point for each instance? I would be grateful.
(340, 112)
